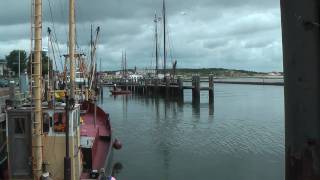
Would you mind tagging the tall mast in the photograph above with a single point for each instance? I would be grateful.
(156, 37)
(164, 38)
(122, 66)
(125, 63)
(91, 50)
(71, 45)
(36, 76)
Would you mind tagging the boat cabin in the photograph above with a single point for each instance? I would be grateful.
(19, 135)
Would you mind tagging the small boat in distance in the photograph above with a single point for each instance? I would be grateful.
(120, 92)
(117, 91)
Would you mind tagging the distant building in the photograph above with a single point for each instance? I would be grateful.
(3, 67)
(275, 73)
(135, 77)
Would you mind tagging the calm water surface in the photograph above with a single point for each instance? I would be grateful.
(240, 138)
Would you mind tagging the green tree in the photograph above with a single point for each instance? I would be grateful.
(45, 60)
(13, 60)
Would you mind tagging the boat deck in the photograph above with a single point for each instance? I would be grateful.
(101, 132)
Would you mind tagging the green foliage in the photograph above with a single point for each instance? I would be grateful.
(45, 60)
(13, 60)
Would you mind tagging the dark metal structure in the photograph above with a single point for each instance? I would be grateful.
(19, 136)
(300, 28)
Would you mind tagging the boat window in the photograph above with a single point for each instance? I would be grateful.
(46, 122)
(59, 122)
(19, 126)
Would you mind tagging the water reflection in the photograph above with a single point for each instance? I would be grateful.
(174, 105)
(117, 168)
(166, 139)
(211, 108)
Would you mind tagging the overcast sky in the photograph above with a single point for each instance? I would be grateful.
(239, 34)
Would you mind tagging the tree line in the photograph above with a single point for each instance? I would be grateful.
(25, 61)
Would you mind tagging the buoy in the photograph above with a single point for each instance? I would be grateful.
(117, 144)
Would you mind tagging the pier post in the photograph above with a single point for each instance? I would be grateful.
(211, 89)
(134, 85)
(180, 87)
(301, 44)
(167, 88)
(156, 87)
(196, 89)
(126, 81)
(101, 91)
(129, 84)
(145, 87)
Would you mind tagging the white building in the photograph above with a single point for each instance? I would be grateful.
(3, 67)
(135, 77)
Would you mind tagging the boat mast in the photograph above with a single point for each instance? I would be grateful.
(156, 37)
(91, 51)
(67, 159)
(122, 66)
(71, 46)
(125, 64)
(36, 76)
(164, 38)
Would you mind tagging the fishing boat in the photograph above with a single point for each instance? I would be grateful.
(47, 139)
(118, 91)
(90, 140)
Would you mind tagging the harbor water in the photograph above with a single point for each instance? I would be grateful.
(241, 137)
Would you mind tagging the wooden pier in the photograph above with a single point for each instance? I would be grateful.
(167, 88)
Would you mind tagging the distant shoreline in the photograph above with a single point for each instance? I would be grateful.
(204, 72)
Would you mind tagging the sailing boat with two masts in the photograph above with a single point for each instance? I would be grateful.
(124, 76)
(162, 73)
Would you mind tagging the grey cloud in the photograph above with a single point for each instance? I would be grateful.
(211, 33)
(212, 44)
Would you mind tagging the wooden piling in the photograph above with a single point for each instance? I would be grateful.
(156, 87)
(101, 91)
(167, 88)
(180, 88)
(211, 89)
(196, 89)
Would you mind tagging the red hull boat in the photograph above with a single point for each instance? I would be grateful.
(97, 142)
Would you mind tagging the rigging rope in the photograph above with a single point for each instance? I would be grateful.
(54, 32)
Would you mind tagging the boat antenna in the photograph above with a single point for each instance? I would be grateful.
(36, 76)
